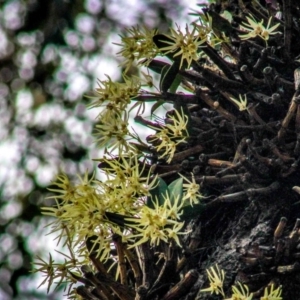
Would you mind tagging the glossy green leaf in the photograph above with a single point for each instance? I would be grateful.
(168, 77)
(175, 189)
(190, 212)
(157, 193)
(163, 74)
(219, 24)
(227, 15)
(157, 65)
(175, 84)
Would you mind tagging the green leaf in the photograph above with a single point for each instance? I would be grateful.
(175, 189)
(164, 71)
(157, 193)
(168, 76)
(157, 65)
(219, 24)
(156, 105)
(175, 84)
(170, 79)
(190, 212)
(227, 15)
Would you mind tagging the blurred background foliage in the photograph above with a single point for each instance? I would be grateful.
(51, 54)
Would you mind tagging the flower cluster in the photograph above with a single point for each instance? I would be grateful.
(191, 191)
(111, 129)
(204, 28)
(116, 96)
(242, 104)
(254, 29)
(79, 211)
(273, 294)
(216, 278)
(137, 44)
(113, 133)
(83, 206)
(159, 223)
(128, 181)
(240, 291)
(184, 44)
(59, 271)
(170, 135)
